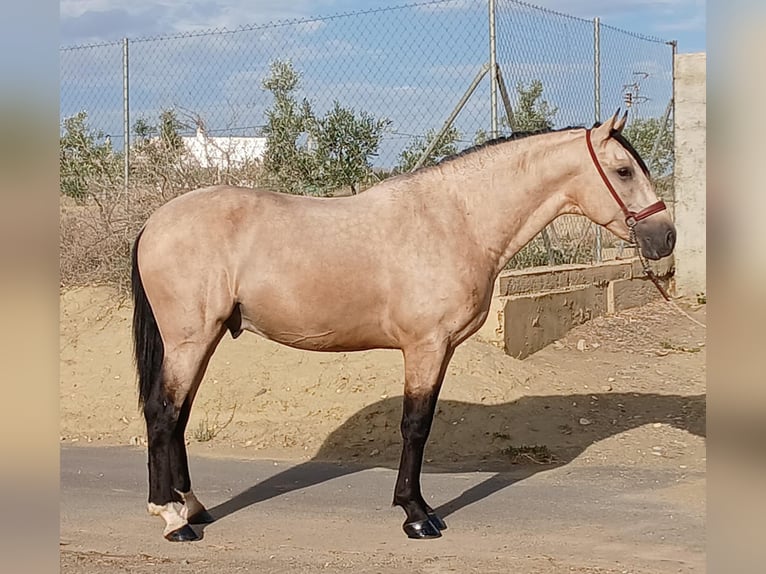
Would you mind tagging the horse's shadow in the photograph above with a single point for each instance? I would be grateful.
(469, 437)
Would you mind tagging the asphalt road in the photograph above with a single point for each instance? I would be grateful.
(314, 517)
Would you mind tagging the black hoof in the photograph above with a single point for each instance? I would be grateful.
(421, 529)
(437, 521)
(202, 517)
(184, 534)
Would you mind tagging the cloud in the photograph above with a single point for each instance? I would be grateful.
(85, 21)
(108, 20)
(453, 5)
(91, 25)
(692, 24)
(591, 8)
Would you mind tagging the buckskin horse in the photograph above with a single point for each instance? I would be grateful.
(409, 264)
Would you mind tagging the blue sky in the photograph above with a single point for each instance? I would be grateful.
(86, 21)
(409, 65)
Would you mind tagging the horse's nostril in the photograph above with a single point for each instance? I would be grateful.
(671, 239)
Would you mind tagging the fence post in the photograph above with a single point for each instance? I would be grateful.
(660, 133)
(492, 71)
(125, 117)
(597, 106)
(506, 100)
(451, 118)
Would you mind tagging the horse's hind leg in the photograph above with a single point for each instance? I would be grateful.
(161, 414)
(425, 366)
(193, 511)
(167, 413)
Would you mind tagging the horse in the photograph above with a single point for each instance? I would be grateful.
(408, 264)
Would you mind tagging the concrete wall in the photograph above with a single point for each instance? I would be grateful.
(531, 308)
(690, 143)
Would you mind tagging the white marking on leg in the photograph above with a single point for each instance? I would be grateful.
(170, 513)
(192, 505)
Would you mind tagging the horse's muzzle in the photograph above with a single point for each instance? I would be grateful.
(656, 237)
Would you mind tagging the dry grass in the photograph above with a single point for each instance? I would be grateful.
(96, 237)
(96, 233)
(537, 454)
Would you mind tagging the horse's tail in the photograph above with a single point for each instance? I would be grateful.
(147, 343)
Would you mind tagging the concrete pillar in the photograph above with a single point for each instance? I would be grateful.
(689, 176)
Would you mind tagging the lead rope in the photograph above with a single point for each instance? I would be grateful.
(649, 273)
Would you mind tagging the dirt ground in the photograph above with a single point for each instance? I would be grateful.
(626, 390)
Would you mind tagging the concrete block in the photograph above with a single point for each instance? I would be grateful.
(531, 308)
(539, 279)
(627, 293)
(492, 329)
(533, 321)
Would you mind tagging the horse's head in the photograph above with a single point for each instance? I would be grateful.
(618, 192)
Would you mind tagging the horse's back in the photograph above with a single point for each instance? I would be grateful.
(244, 221)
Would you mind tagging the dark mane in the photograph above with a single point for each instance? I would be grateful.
(521, 135)
(502, 139)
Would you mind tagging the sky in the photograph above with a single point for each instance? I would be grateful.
(410, 65)
(89, 21)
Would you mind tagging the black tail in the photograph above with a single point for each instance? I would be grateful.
(147, 342)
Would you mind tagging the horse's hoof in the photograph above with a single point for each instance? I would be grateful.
(421, 529)
(184, 534)
(201, 517)
(437, 521)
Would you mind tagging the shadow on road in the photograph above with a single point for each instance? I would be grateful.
(467, 437)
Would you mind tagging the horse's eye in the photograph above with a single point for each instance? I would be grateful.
(624, 172)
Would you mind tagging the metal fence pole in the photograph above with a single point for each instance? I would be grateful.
(125, 117)
(597, 69)
(660, 133)
(493, 70)
(506, 100)
(597, 106)
(466, 96)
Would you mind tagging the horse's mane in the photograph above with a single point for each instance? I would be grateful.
(525, 134)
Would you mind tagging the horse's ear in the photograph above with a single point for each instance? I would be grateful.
(604, 131)
(619, 124)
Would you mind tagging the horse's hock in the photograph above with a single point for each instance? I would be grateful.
(531, 308)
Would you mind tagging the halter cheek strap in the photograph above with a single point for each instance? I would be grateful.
(631, 217)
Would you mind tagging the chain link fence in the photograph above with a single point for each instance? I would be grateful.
(412, 66)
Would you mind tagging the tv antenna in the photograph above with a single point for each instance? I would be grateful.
(631, 93)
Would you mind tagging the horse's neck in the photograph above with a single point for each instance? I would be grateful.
(517, 192)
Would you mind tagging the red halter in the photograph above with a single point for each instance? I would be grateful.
(631, 217)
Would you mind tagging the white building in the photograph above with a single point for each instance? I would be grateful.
(224, 152)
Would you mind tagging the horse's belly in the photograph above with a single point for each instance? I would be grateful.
(339, 333)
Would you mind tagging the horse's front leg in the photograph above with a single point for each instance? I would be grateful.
(424, 367)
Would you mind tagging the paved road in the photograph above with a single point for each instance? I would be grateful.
(313, 517)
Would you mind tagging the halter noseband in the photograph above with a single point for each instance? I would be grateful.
(631, 217)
